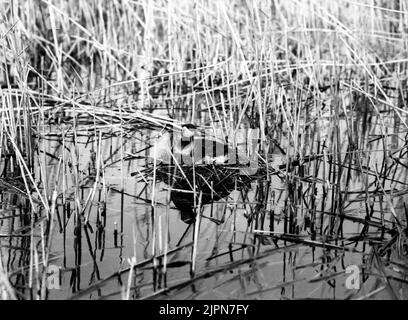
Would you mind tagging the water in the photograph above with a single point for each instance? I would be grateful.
(235, 255)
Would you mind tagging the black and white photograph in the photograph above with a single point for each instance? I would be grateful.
(203, 150)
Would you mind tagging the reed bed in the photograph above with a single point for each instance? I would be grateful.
(87, 87)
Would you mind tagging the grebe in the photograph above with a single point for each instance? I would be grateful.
(186, 158)
(188, 145)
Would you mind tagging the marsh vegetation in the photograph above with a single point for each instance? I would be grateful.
(87, 88)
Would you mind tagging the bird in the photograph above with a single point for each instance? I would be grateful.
(188, 158)
(190, 145)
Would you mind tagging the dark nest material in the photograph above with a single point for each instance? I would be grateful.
(211, 183)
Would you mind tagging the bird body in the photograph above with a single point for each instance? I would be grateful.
(202, 160)
(188, 147)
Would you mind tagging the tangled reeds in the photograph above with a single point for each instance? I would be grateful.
(86, 87)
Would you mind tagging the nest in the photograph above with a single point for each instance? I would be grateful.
(209, 183)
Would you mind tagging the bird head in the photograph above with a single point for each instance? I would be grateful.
(187, 130)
